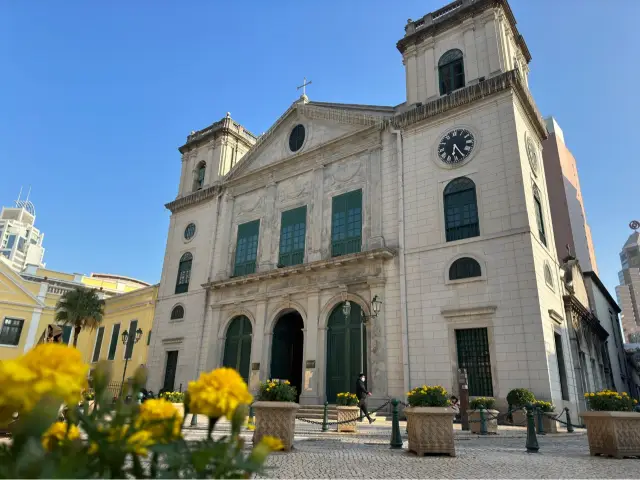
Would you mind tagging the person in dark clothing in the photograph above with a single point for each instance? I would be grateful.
(362, 393)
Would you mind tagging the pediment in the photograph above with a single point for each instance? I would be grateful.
(12, 290)
(322, 125)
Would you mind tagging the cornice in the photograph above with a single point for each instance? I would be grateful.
(378, 254)
(468, 311)
(193, 198)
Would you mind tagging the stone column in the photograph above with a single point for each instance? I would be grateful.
(315, 217)
(411, 72)
(311, 368)
(259, 354)
(374, 202)
(266, 226)
(470, 57)
(492, 46)
(431, 71)
(214, 341)
(222, 261)
(377, 354)
(182, 188)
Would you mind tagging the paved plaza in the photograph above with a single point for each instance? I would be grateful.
(367, 455)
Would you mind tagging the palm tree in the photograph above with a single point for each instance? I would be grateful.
(80, 308)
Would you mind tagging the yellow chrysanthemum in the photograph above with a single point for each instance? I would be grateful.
(48, 369)
(218, 393)
(273, 443)
(160, 418)
(57, 433)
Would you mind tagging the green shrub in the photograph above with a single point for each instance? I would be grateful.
(520, 397)
(544, 406)
(427, 396)
(610, 401)
(277, 391)
(347, 399)
(173, 397)
(487, 403)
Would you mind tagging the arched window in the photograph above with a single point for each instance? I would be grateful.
(177, 313)
(184, 273)
(547, 275)
(451, 71)
(539, 215)
(461, 209)
(200, 171)
(464, 268)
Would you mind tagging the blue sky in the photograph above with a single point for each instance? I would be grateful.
(97, 96)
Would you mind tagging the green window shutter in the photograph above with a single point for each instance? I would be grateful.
(539, 218)
(66, 334)
(98, 347)
(131, 340)
(247, 248)
(346, 223)
(113, 346)
(292, 236)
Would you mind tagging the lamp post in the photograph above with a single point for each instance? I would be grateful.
(125, 341)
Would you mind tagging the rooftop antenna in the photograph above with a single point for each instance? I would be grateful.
(19, 195)
(28, 193)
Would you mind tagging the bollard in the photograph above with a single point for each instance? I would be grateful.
(569, 426)
(483, 422)
(194, 419)
(540, 422)
(325, 418)
(532, 440)
(396, 439)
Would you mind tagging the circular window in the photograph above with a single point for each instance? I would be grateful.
(296, 139)
(190, 231)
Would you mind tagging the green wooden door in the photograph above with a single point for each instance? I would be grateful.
(237, 346)
(346, 351)
(287, 350)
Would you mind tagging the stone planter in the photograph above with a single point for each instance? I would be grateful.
(491, 417)
(616, 434)
(348, 413)
(430, 430)
(549, 424)
(277, 419)
(520, 418)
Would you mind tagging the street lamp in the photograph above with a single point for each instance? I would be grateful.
(346, 309)
(125, 342)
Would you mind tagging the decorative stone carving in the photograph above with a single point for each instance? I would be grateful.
(613, 433)
(491, 417)
(249, 204)
(295, 189)
(348, 413)
(345, 173)
(277, 419)
(430, 430)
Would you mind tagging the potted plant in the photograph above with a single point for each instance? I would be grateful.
(430, 421)
(275, 412)
(547, 410)
(348, 409)
(518, 398)
(483, 407)
(613, 428)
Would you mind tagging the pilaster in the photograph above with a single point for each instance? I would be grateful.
(471, 56)
(310, 394)
(376, 339)
(259, 347)
(374, 201)
(223, 261)
(267, 234)
(430, 70)
(315, 217)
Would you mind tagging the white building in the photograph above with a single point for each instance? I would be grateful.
(436, 207)
(20, 240)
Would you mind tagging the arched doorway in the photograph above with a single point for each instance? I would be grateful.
(346, 350)
(287, 349)
(237, 346)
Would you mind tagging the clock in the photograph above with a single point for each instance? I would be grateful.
(532, 153)
(456, 146)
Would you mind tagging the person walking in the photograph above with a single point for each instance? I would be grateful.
(362, 393)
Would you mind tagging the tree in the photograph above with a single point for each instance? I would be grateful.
(80, 308)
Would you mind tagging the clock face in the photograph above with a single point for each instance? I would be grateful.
(532, 154)
(456, 146)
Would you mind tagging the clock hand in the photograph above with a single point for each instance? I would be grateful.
(455, 147)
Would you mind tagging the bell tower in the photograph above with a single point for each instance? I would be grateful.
(461, 44)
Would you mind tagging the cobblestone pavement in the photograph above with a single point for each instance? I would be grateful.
(367, 455)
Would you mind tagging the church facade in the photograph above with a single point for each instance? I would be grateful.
(404, 242)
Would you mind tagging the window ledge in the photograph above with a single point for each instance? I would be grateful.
(380, 253)
(481, 278)
(176, 320)
(8, 346)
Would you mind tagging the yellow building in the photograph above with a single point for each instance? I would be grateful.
(27, 308)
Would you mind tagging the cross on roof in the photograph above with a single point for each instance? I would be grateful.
(303, 86)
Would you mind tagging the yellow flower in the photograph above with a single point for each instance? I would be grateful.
(57, 433)
(49, 369)
(273, 443)
(218, 393)
(160, 418)
(286, 382)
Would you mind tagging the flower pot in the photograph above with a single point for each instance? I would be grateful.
(277, 419)
(519, 418)
(491, 417)
(348, 413)
(430, 430)
(548, 423)
(613, 433)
